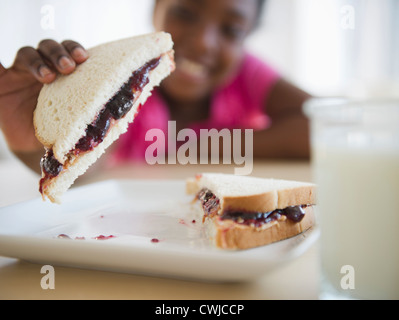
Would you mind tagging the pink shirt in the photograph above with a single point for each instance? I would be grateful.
(240, 104)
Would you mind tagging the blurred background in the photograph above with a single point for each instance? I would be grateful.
(326, 47)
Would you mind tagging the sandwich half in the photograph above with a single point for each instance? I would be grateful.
(241, 212)
(78, 116)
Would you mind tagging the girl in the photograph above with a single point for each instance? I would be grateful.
(217, 84)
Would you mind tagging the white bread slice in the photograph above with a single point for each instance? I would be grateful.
(66, 106)
(69, 104)
(250, 194)
(253, 194)
(226, 234)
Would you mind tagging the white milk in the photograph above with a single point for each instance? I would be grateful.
(358, 208)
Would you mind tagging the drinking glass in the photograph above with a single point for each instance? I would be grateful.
(355, 163)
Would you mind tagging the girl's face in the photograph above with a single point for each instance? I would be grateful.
(208, 37)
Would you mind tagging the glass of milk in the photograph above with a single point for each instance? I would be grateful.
(355, 159)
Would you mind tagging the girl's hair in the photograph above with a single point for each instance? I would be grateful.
(261, 4)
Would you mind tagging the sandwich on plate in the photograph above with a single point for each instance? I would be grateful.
(78, 116)
(241, 212)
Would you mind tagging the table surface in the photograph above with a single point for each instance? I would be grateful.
(296, 279)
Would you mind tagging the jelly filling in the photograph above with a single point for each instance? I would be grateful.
(117, 107)
(210, 203)
(50, 164)
(293, 213)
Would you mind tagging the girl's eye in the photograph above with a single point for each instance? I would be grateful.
(233, 32)
(182, 13)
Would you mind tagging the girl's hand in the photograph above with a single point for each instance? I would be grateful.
(21, 83)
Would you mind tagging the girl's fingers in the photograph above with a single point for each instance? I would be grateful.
(49, 58)
(77, 52)
(30, 60)
(58, 56)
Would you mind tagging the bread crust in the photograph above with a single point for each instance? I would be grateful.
(286, 193)
(263, 202)
(230, 235)
(291, 197)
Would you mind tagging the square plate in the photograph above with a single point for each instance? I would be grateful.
(134, 226)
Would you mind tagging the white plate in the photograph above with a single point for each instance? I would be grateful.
(134, 212)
